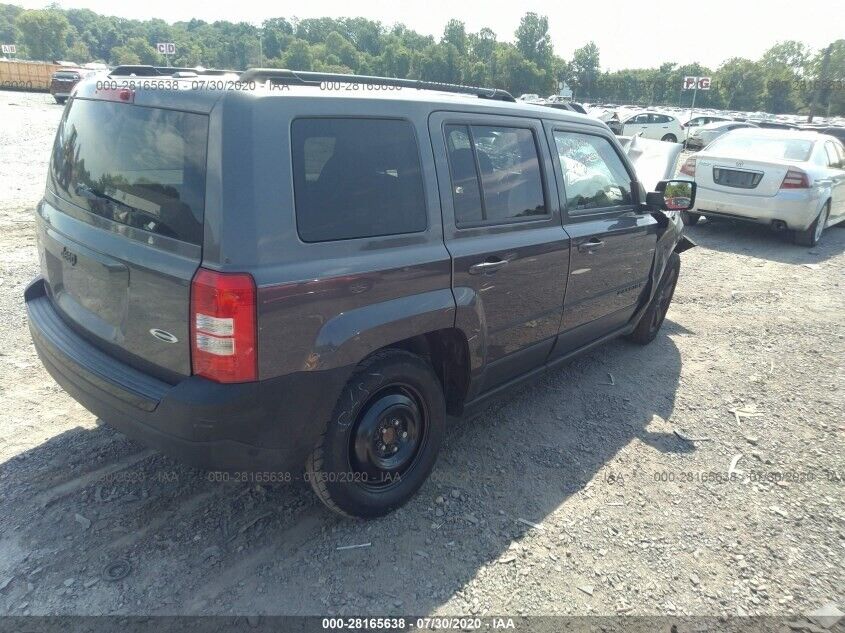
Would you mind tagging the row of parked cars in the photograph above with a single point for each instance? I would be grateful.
(774, 170)
(697, 129)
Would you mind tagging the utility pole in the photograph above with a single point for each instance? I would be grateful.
(819, 91)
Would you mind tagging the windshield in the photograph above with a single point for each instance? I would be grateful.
(142, 167)
(763, 147)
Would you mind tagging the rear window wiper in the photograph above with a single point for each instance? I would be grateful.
(142, 219)
(92, 194)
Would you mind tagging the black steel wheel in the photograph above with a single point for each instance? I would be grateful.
(383, 438)
(388, 435)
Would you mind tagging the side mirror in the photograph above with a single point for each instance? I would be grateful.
(672, 195)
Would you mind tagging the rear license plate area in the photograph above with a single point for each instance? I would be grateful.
(740, 179)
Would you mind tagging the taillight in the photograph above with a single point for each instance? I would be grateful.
(688, 167)
(223, 326)
(795, 179)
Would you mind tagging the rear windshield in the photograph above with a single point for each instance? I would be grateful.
(142, 167)
(763, 147)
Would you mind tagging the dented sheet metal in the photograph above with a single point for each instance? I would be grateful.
(670, 239)
(653, 160)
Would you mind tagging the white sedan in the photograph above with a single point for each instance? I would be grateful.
(655, 125)
(786, 179)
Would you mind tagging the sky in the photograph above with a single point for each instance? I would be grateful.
(629, 34)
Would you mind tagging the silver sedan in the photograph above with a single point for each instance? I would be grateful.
(786, 179)
(703, 135)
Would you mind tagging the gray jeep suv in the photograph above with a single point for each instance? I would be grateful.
(256, 272)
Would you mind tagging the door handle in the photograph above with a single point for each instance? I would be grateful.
(586, 247)
(487, 266)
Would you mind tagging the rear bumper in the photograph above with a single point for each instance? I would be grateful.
(796, 208)
(268, 425)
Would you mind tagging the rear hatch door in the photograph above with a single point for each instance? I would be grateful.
(121, 226)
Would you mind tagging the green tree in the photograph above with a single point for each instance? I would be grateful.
(740, 84)
(342, 49)
(790, 53)
(395, 60)
(533, 40)
(455, 34)
(136, 50)
(483, 45)
(517, 74)
(585, 69)
(44, 33)
(439, 62)
(79, 52)
(276, 36)
(9, 33)
(298, 56)
(830, 88)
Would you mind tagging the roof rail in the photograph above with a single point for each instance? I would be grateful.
(141, 70)
(308, 78)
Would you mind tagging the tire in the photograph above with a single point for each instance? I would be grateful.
(655, 314)
(690, 219)
(353, 470)
(670, 138)
(60, 100)
(812, 234)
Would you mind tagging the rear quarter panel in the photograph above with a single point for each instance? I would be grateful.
(328, 304)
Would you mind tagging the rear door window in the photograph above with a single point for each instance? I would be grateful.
(356, 178)
(138, 166)
(495, 174)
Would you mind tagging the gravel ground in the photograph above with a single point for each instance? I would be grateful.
(599, 489)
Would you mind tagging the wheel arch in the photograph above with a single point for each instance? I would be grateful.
(423, 324)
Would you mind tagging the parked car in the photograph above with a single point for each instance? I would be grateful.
(835, 131)
(530, 97)
(654, 125)
(788, 180)
(566, 105)
(708, 133)
(774, 125)
(62, 82)
(615, 125)
(261, 279)
(704, 119)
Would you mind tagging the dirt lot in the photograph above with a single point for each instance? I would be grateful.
(627, 516)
